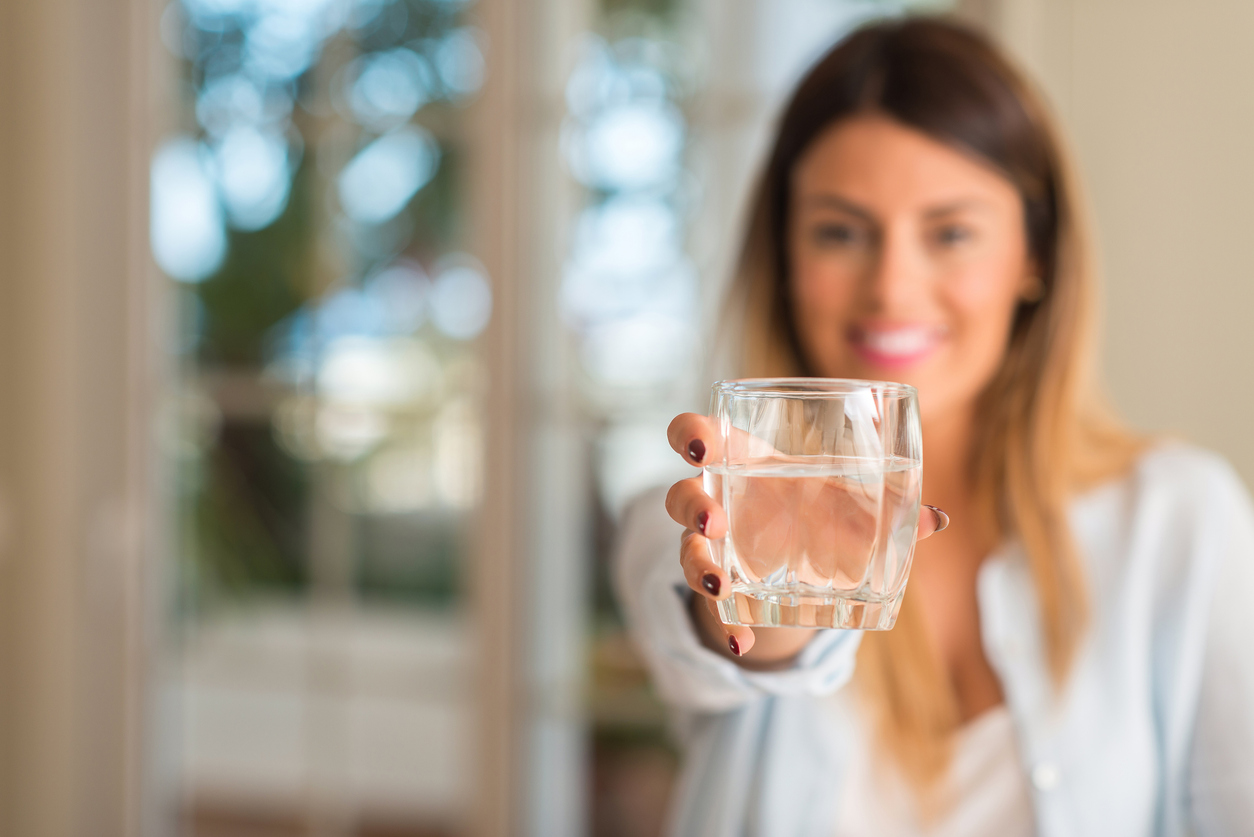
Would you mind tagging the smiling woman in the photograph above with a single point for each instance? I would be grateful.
(917, 222)
(908, 259)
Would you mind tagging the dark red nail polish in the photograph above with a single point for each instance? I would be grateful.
(733, 645)
(696, 450)
(711, 583)
(702, 519)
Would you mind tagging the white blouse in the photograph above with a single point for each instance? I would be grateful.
(1153, 734)
(988, 792)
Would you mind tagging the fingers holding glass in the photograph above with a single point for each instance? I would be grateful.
(712, 585)
(689, 506)
(739, 637)
(694, 437)
(700, 571)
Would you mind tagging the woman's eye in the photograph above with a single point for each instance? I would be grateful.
(952, 234)
(837, 234)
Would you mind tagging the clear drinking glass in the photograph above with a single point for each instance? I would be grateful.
(820, 479)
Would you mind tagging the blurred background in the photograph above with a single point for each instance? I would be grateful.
(335, 335)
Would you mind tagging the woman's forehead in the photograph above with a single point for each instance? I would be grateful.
(874, 161)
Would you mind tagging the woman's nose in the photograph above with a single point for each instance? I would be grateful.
(896, 274)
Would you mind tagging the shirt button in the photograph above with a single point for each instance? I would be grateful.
(1045, 776)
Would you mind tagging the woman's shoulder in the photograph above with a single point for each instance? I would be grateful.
(1175, 514)
(1175, 479)
(1191, 487)
(1184, 468)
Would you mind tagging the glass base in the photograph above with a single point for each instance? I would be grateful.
(766, 608)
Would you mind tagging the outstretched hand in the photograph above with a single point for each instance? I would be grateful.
(696, 439)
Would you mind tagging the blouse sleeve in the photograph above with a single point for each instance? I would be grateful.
(654, 596)
(1221, 783)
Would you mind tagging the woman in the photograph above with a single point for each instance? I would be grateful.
(1073, 656)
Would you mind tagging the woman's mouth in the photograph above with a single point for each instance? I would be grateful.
(894, 346)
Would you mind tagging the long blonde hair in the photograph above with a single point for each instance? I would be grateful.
(1045, 431)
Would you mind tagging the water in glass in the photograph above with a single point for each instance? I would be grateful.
(823, 538)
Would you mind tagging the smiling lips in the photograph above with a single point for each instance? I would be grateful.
(894, 346)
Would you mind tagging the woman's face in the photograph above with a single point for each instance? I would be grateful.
(908, 261)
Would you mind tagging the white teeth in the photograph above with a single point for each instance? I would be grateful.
(902, 341)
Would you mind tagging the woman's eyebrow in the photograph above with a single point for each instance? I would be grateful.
(830, 200)
(956, 206)
(833, 201)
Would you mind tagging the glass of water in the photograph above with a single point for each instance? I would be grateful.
(820, 479)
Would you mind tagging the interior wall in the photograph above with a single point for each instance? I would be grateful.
(1158, 98)
(76, 466)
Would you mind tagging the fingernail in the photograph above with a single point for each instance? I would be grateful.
(696, 450)
(944, 518)
(733, 645)
(702, 519)
(711, 583)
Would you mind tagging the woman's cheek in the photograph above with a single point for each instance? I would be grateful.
(824, 280)
(990, 297)
(983, 305)
(821, 308)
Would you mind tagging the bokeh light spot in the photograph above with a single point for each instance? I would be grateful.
(378, 182)
(186, 228)
(402, 290)
(641, 351)
(460, 62)
(253, 178)
(389, 87)
(461, 302)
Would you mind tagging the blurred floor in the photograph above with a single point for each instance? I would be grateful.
(631, 791)
(634, 763)
(357, 721)
(209, 821)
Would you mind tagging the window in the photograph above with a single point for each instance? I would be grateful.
(328, 423)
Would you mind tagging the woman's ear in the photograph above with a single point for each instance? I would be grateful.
(1032, 286)
(1033, 289)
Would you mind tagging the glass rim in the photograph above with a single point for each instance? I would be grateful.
(809, 387)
